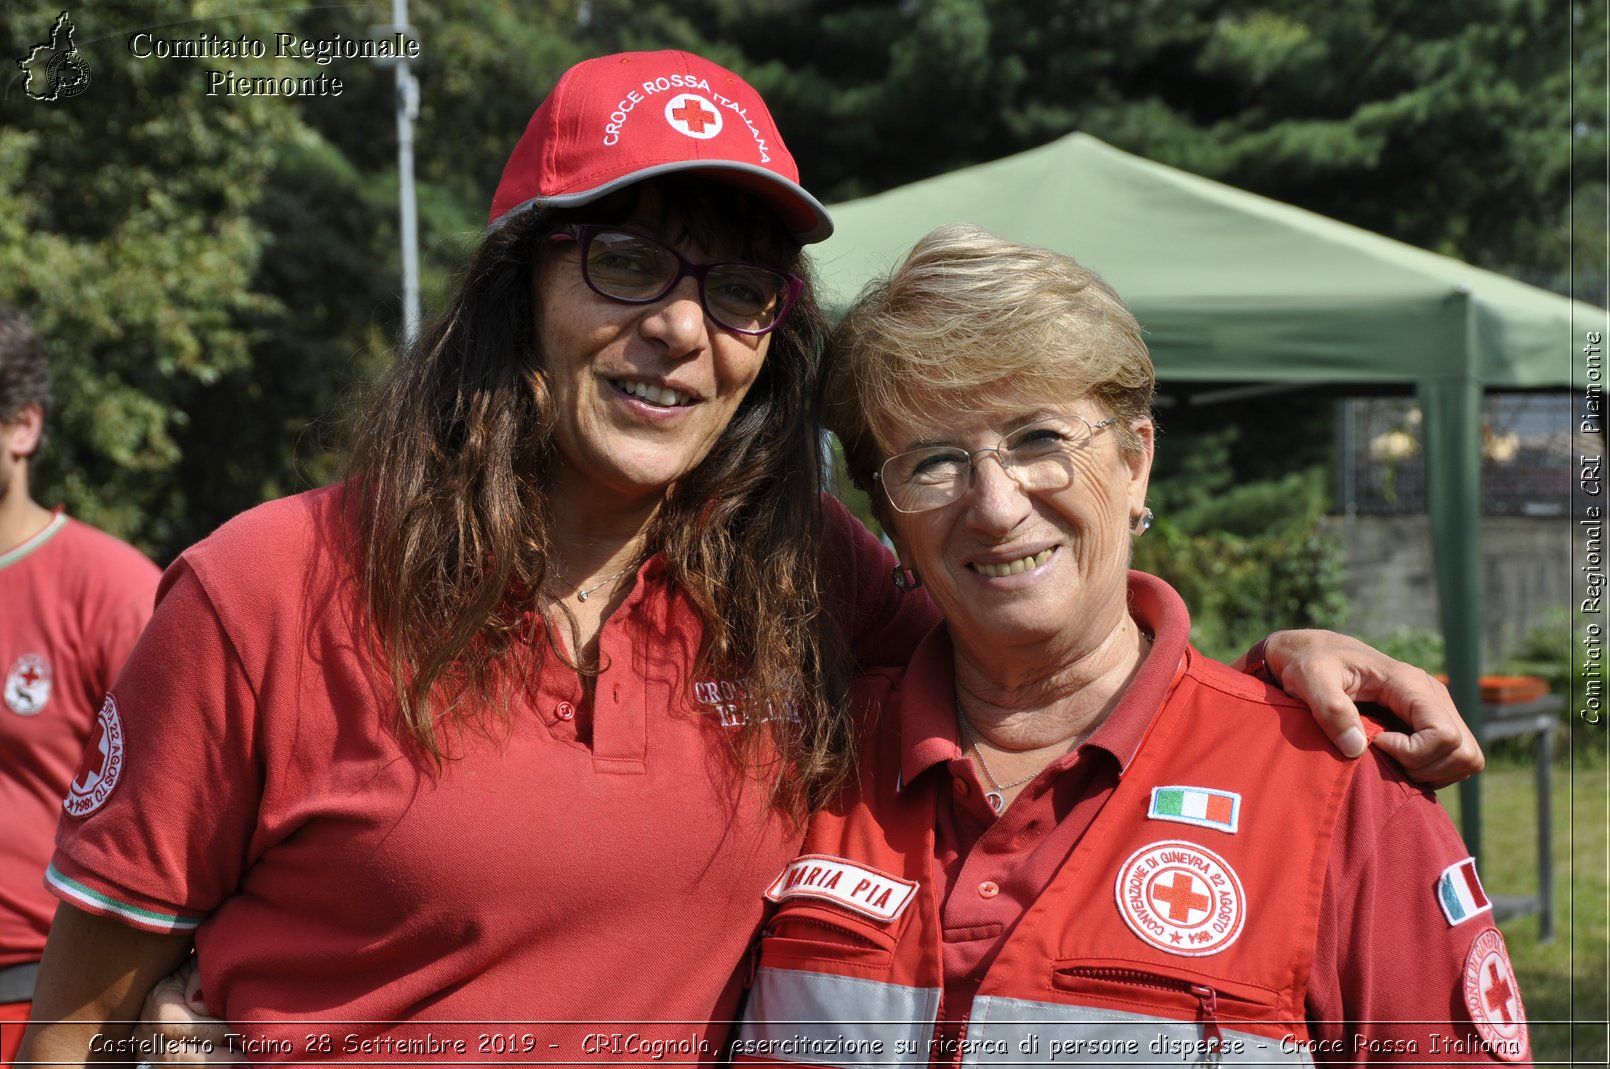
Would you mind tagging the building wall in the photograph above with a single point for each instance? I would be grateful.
(1527, 569)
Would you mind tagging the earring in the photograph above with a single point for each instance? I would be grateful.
(905, 580)
(1140, 523)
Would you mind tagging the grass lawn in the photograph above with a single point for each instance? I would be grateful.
(1565, 982)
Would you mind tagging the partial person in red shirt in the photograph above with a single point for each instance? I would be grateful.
(1076, 838)
(518, 722)
(72, 602)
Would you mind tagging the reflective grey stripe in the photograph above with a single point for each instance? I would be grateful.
(1016, 1031)
(819, 1019)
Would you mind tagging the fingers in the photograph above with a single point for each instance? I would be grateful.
(1423, 765)
(173, 1031)
(1442, 749)
(1323, 685)
(1330, 672)
(192, 988)
(1339, 718)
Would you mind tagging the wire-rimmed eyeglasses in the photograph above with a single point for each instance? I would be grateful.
(624, 265)
(1037, 456)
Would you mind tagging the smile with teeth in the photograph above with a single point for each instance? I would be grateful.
(1013, 567)
(654, 395)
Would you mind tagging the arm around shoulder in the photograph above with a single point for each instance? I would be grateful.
(92, 981)
(1330, 672)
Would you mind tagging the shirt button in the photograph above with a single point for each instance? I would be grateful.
(566, 711)
(988, 889)
(961, 787)
(617, 692)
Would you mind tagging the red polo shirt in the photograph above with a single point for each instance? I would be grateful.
(72, 602)
(593, 869)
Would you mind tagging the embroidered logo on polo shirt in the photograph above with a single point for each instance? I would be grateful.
(724, 697)
(1202, 806)
(102, 765)
(866, 890)
(1459, 892)
(1181, 898)
(1494, 998)
(28, 684)
(729, 700)
(691, 114)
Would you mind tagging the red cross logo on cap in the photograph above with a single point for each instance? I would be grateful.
(691, 114)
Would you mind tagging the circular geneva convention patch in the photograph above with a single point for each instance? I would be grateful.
(1181, 898)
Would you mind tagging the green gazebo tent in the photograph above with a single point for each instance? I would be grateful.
(1234, 287)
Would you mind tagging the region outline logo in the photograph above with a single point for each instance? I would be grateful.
(54, 70)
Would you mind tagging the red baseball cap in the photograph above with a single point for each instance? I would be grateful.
(620, 119)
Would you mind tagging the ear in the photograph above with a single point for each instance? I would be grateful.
(1140, 464)
(21, 434)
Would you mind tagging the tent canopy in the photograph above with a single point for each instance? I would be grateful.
(1233, 287)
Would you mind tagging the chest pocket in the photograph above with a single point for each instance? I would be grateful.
(802, 933)
(1152, 991)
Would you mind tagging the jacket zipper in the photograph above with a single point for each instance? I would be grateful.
(1206, 997)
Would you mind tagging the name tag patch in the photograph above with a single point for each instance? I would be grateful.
(867, 891)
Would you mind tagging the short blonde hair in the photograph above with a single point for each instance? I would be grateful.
(970, 319)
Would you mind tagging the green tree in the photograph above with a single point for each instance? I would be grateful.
(1246, 556)
(1441, 123)
(126, 230)
(214, 274)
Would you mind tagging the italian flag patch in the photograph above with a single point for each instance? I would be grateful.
(1201, 806)
(1459, 892)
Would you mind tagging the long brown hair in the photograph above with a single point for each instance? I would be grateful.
(454, 522)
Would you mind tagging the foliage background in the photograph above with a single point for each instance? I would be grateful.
(216, 275)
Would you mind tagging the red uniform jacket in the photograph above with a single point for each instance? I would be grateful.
(1183, 923)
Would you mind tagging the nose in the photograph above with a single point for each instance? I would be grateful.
(996, 504)
(677, 320)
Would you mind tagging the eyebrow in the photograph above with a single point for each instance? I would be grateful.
(1011, 425)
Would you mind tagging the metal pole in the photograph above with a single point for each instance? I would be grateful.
(407, 112)
(1346, 463)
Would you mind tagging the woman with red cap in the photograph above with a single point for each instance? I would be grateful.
(517, 724)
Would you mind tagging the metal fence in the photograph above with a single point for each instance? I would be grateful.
(1529, 453)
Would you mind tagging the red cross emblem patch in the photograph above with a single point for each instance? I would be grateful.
(1494, 998)
(28, 684)
(691, 114)
(102, 764)
(1182, 898)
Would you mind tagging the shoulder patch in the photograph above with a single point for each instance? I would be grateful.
(1202, 806)
(866, 890)
(102, 764)
(1494, 998)
(1459, 892)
